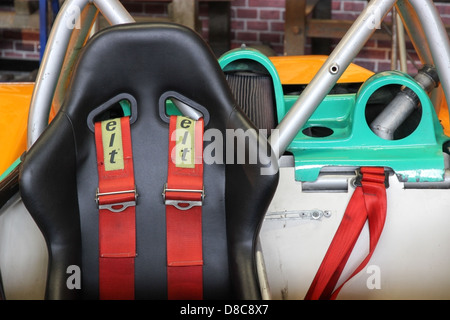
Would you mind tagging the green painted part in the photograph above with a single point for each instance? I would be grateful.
(126, 107)
(249, 59)
(415, 158)
(10, 169)
(171, 109)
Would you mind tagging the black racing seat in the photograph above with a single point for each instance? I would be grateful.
(58, 180)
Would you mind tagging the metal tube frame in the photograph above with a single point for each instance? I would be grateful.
(52, 61)
(414, 13)
(433, 33)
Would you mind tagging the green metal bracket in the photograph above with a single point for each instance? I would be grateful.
(350, 142)
(346, 138)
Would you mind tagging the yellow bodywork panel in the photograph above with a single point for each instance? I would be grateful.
(14, 105)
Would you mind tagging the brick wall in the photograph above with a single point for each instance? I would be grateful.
(258, 22)
(19, 45)
(376, 55)
(253, 22)
(262, 21)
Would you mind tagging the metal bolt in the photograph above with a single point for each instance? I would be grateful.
(334, 68)
(316, 215)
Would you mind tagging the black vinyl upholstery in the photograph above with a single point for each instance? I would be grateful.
(59, 177)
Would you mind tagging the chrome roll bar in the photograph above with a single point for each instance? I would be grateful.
(49, 72)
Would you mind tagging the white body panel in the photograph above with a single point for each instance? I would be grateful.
(411, 261)
(23, 253)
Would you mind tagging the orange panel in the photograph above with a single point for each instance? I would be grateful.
(14, 104)
(302, 69)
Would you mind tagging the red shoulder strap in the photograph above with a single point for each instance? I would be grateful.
(368, 202)
(183, 196)
(116, 199)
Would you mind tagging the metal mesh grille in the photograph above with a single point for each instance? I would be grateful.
(254, 94)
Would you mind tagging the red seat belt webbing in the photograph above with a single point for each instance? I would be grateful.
(183, 197)
(116, 197)
(368, 202)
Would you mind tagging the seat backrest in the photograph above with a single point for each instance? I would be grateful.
(58, 181)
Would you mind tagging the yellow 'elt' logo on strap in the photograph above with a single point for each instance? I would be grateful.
(184, 148)
(112, 145)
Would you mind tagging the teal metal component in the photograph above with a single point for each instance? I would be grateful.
(349, 141)
(345, 137)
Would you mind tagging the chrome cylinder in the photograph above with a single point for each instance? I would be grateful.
(403, 105)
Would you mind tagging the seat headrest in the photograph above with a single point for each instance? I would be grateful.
(148, 60)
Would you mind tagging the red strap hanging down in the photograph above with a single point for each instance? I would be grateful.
(368, 202)
(116, 198)
(183, 195)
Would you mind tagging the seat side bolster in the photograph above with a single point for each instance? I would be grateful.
(48, 190)
(249, 191)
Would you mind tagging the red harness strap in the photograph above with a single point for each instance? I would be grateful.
(368, 202)
(116, 198)
(183, 196)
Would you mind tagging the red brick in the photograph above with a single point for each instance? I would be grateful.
(32, 56)
(12, 55)
(237, 25)
(30, 35)
(257, 25)
(267, 3)
(269, 14)
(356, 6)
(277, 26)
(24, 46)
(444, 8)
(370, 65)
(335, 5)
(383, 66)
(239, 3)
(6, 44)
(247, 13)
(246, 36)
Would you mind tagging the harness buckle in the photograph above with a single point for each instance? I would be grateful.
(183, 204)
(113, 206)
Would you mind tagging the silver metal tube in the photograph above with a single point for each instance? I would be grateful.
(186, 109)
(50, 69)
(77, 39)
(327, 183)
(47, 78)
(402, 106)
(438, 41)
(332, 69)
(401, 44)
(396, 112)
(417, 36)
(414, 31)
(114, 11)
(394, 44)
